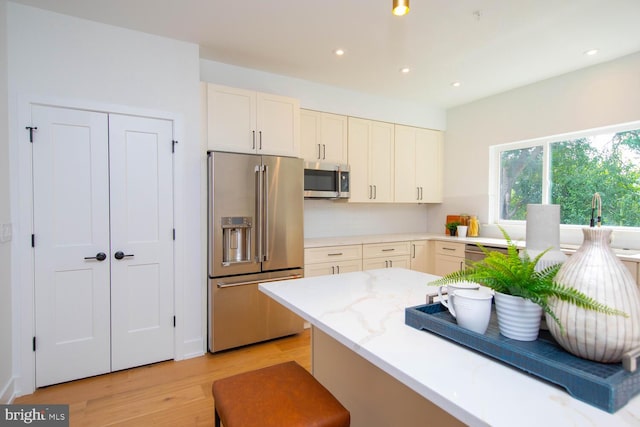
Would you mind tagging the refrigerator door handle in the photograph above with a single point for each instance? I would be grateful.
(265, 215)
(259, 211)
(253, 282)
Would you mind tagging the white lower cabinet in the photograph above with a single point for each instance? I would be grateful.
(327, 260)
(420, 260)
(386, 255)
(449, 257)
(633, 269)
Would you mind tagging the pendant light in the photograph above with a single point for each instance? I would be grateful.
(400, 7)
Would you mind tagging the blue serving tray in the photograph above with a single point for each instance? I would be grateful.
(606, 386)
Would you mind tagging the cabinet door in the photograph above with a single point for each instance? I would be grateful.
(371, 159)
(418, 165)
(428, 167)
(633, 269)
(278, 125)
(323, 137)
(310, 146)
(327, 268)
(381, 161)
(333, 138)
(358, 149)
(406, 188)
(388, 262)
(420, 256)
(447, 264)
(231, 119)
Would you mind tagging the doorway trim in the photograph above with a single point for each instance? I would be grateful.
(22, 273)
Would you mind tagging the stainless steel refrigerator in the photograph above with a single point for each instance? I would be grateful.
(255, 235)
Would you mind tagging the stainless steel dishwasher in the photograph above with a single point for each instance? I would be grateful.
(473, 253)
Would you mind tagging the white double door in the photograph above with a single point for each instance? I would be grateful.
(103, 242)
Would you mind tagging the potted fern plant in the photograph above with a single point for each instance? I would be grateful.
(521, 292)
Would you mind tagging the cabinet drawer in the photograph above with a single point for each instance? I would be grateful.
(332, 254)
(376, 250)
(450, 248)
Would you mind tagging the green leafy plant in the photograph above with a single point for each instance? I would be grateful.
(452, 226)
(515, 274)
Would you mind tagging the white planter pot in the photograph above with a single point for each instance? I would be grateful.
(518, 318)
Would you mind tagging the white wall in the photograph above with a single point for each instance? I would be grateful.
(6, 370)
(601, 95)
(327, 218)
(91, 65)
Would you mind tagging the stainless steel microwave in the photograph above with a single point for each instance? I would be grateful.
(326, 181)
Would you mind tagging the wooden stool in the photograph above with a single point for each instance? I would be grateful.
(283, 395)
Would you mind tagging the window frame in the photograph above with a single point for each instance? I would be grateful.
(495, 152)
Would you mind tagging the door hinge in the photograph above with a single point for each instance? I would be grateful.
(173, 146)
(34, 343)
(31, 129)
(174, 234)
(174, 321)
(33, 240)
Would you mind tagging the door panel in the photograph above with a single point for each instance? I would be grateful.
(142, 229)
(284, 222)
(71, 222)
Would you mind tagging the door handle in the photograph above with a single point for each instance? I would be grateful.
(100, 256)
(120, 255)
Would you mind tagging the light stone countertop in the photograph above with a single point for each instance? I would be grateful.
(623, 254)
(365, 312)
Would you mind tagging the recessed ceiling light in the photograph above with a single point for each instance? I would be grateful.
(339, 52)
(405, 70)
(591, 52)
(456, 84)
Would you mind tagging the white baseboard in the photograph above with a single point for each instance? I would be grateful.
(8, 393)
(193, 348)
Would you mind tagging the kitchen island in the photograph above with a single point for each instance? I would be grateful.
(389, 374)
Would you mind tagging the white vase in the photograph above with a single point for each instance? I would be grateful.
(518, 318)
(596, 271)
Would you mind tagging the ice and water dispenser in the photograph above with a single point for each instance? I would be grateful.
(236, 239)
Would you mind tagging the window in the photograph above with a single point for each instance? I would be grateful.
(567, 170)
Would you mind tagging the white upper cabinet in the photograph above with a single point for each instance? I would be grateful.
(371, 157)
(245, 121)
(418, 165)
(323, 136)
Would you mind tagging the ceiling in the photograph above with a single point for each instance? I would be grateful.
(489, 46)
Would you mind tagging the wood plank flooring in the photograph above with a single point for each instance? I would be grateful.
(167, 393)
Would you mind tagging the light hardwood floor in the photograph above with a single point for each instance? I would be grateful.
(167, 393)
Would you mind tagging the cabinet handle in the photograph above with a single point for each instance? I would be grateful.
(386, 264)
(318, 151)
(448, 249)
(370, 192)
(391, 263)
(253, 139)
(418, 195)
(375, 192)
(260, 134)
(421, 193)
(335, 254)
(324, 151)
(333, 270)
(461, 265)
(389, 250)
(414, 251)
(338, 267)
